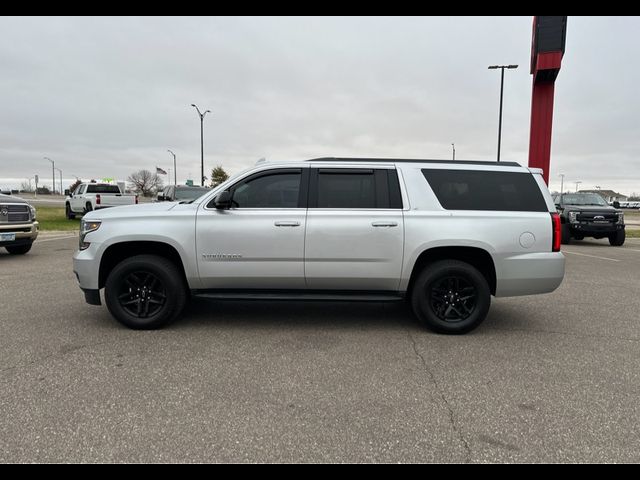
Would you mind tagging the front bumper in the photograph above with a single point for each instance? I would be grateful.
(86, 267)
(25, 233)
(590, 229)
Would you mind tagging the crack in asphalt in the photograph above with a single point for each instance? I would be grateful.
(434, 381)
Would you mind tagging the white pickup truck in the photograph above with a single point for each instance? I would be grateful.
(95, 196)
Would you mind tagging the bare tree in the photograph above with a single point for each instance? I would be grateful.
(145, 183)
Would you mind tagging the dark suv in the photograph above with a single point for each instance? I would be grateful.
(589, 215)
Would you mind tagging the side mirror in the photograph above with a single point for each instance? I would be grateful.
(67, 192)
(616, 204)
(222, 201)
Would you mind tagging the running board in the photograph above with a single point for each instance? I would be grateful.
(300, 296)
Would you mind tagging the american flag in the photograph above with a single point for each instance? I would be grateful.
(160, 171)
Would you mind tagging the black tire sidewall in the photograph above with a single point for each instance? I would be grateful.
(19, 249)
(166, 272)
(70, 214)
(566, 234)
(421, 302)
(617, 239)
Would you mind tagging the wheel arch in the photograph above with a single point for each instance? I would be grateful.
(117, 252)
(478, 257)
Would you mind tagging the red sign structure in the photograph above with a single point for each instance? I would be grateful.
(547, 49)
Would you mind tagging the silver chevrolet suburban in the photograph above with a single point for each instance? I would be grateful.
(446, 236)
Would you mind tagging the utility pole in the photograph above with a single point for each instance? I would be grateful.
(577, 183)
(561, 182)
(453, 145)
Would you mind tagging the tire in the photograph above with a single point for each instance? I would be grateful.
(19, 249)
(68, 212)
(87, 208)
(617, 239)
(145, 292)
(431, 300)
(566, 234)
(578, 237)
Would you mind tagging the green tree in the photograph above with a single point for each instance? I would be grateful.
(218, 175)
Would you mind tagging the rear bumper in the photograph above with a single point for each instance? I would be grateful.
(529, 274)
(25, 233)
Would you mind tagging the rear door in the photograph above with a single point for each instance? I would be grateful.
(355, 231)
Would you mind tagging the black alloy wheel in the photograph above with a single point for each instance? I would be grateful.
(142, 294)
(452, 298)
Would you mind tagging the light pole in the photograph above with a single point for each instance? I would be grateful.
(501, 67)
(60, 172)
(201, 115)
(561, 182)
(453, 145)
(53, 172)
(577, 183)
(175, 176)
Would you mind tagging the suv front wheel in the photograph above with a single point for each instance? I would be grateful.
(145, 292)
(451, 296)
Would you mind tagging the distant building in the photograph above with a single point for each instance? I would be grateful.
(609, 195)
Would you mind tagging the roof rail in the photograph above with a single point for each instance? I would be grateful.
(413, 160)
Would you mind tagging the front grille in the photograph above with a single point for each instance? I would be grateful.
(14, 213)
(590, 217)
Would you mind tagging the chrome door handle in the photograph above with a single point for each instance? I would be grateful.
(384, 224)
(287, 224)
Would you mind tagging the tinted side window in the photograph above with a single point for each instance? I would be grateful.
(486, 190)
(355, 188)
(277, 190)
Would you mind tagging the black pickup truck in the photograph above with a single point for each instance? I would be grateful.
(589, 215)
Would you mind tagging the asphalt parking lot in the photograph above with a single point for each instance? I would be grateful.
(552, 378)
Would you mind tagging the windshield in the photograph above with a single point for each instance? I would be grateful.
(190, 193)
(584, 199)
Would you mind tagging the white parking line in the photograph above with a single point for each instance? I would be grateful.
(593, 256)
(50, 239)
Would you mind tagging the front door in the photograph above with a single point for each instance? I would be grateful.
(259, 241)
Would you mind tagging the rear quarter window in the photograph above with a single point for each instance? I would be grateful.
(485, 190)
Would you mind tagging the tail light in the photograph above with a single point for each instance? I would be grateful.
(136, 199)
(557, 232)
(98, 199)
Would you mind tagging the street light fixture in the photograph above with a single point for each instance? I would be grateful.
(53, 172)
(201, 115)
(501, 67)
(174, 167)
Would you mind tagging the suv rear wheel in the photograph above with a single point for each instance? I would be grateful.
(145, 292)
(451, 297)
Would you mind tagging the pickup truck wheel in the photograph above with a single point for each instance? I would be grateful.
(617, 239)
(145, 292)
(451, 297)
(19, 249)
(87, 208)
(69, 212)
(566, 234)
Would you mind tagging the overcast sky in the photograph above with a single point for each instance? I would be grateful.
(104, 97)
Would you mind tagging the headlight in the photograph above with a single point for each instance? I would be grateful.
(573, 217)
(33, 212)
(620, 218)
(87, 227)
